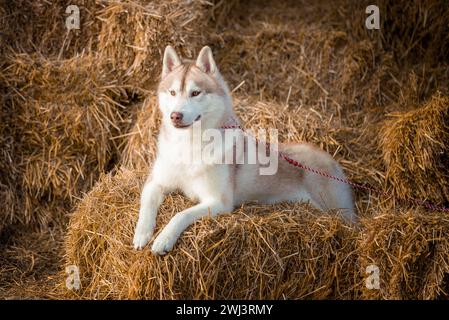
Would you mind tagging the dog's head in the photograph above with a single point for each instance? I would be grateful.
(192, 91)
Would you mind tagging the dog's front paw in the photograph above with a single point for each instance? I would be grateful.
(163, 243)
(142, 234)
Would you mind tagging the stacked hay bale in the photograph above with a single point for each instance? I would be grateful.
(314, 55)
(412, 30)
(410, 248)
(62, 116)
(68, 99)
(256, 40)
(414, 36)
(68, 106)
(139, 150)
(127, 33)
(257, 252)
(133, 34)
(128, 272)
(29, 264)
(141, 31)
(40, 26)
(415, 149)
(301, 88)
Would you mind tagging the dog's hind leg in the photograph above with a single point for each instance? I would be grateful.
(173, 230)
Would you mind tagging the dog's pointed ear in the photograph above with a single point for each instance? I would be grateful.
(171, 61)
(205, 61)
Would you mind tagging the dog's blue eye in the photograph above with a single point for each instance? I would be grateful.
(195, 93)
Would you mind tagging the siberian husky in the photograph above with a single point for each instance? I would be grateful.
(193, 92)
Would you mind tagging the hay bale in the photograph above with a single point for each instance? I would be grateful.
(272, 252)
(303, 53)
(63, 116)
(408, 53)
(282, 251)
(39, 26)
(415, 149)
(133, 34)
(411, 250)
(278, 53)
(410, 30)
(30, 263)
(66, 92)
(139, 150)
(127, 36)
(321, 54)
(8, 197)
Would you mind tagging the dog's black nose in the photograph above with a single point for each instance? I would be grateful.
(176, 116)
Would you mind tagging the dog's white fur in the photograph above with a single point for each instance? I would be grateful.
(219, 188)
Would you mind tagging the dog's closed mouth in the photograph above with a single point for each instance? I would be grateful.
(187, 125)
